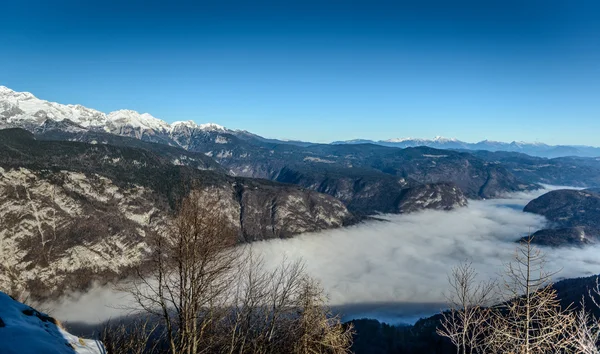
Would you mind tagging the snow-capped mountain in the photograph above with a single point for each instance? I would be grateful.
(437, 139)
(23, 109)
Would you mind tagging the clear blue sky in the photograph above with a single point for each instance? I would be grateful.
(320, 70)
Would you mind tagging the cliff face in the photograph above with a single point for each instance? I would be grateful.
(439, 196)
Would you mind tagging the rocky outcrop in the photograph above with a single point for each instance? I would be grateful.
(439, 196)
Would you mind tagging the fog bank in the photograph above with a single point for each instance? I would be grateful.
(404, 260)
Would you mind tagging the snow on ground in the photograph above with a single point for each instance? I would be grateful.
(24, 330)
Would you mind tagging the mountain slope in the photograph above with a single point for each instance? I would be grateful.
(75, 212)
(574, 214)
(568, 208)
(561, 171)
(368, 178)
(68, 131)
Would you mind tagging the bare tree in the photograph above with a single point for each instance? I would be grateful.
(190, 269)
(283, 311)
(531, 321)
(585, 333)
(466, 322)
(213, 296)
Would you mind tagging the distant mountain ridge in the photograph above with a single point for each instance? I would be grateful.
(533, 149)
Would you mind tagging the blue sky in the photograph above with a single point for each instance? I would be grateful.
(320, 70)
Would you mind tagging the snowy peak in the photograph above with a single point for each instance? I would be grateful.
(187, 124)
(190, 124)
(23, 109)
(441, 139)
(399, 140)
(437, 139)
(5, 92)
(211, 127)
(134, 119)
(529, 148)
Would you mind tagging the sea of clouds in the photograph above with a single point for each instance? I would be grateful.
(395, 269)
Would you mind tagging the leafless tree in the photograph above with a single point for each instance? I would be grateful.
(283, 310)
(531, 321)
(585, 333)
(466, 322)
(212, 295)
(191, 266)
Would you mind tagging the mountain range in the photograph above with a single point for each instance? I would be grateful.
(90, 185)
(23, 109)
(367, 178)
(533, 149)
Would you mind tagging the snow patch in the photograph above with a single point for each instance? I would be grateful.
(221, 140)
(316, 159)
(26, 330)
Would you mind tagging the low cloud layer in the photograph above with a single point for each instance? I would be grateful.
(397, 267)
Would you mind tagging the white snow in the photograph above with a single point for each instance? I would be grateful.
(134, 119)
(400, 140)
(211, 126)
(224, 154)
(23, 107)
(187, 124)
(441, 139)
(26, 330)
(316, 159)
(221, 140)
(437, 139)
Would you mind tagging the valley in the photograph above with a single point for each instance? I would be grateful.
(83, 193)
(299, 177)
